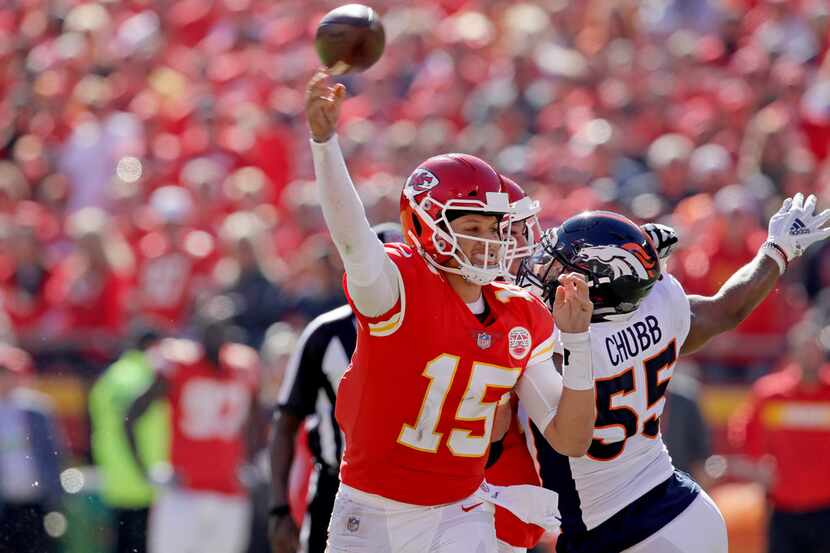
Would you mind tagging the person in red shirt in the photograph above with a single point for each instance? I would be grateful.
(211, 386)
(785, 431)
(439, 343)
(175, 260)
(86, 293)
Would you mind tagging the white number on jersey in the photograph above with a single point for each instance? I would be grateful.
(441, 372)
(624, 417)
(212, 409)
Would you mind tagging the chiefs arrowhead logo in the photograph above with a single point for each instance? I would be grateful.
(421, 180)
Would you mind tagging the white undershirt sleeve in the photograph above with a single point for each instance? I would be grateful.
(539, 390)
(372, 277)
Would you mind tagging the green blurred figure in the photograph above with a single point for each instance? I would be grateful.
(124, 487)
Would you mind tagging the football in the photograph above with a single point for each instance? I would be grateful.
(350, 39)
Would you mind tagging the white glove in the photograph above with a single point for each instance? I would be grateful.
(796, 227)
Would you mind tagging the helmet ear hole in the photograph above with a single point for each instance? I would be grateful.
(416, 224)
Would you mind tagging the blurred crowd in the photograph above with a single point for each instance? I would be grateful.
(154, 152)
(155, 158)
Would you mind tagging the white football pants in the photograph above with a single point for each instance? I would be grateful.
(186, 521)
(698, 529)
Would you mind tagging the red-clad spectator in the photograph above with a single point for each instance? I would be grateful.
(23, 282)
(174, 260)
(211, 385)
(87, 291)
(785, 430)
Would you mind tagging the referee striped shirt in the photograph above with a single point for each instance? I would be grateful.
(312, 377)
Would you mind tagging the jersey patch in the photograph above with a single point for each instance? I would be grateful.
(518, 341)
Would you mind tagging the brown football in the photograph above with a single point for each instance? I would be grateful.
(350, 39)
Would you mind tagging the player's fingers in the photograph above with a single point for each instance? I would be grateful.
(822, 234)
(822, 218)
(581, 287)
(339, 91)
(798, 201)
(785, 207)
(810, 204)
(317, 81)
(559, 297)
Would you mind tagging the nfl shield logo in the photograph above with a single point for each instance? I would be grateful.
(483, 340)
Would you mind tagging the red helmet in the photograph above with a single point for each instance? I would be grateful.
(524, 209)
(455, 182)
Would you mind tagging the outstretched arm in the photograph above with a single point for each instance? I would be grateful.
(563, 407)
(791, 231)
(371, 276)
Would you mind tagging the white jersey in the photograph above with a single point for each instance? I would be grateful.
(633, 363)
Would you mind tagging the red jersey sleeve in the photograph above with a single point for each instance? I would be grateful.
(746, 431)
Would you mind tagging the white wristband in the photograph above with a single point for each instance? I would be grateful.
(577, 372)
(775, 253)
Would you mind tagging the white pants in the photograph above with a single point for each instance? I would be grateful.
(698, 529)
(185, 521)
(367, 523)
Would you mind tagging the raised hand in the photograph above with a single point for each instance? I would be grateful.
(796, 226)
(664, 238)
(572, 306)
(322, 105)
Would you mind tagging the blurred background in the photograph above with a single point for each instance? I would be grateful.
(155, 159)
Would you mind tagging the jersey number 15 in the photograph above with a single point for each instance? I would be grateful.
(423, 435)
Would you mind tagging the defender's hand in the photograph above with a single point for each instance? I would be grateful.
(322, 105)
(797, 226)
(664, 238)
(572, 307)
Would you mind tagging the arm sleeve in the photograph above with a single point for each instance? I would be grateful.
(371, 276)
(539, 390)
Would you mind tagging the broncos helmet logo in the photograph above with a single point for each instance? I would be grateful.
(422, 180)
(622, 261)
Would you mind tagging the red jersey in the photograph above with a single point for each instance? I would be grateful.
(791, 423)
(418, 401)
(168, 275)
(209, 407)
(515, 466)
(89, 299)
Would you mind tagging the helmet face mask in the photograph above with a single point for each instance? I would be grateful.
(431, 200)
(524, 219)
(618, 261)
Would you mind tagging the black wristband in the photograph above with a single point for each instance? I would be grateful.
(279, 511)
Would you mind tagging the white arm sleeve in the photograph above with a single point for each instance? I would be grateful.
(372, 277)
(539, 390)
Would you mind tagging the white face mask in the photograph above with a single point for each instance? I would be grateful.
(490, 264)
